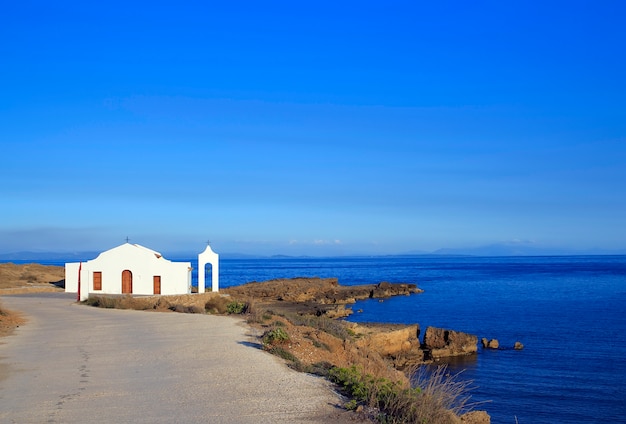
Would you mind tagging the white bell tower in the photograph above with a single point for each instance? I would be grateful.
(208, 257)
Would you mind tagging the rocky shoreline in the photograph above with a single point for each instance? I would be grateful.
(318, 296)
(304, 312)
(399, 344)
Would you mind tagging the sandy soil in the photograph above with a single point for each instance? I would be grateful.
(34, 277)
(9, 320)
(27, 278)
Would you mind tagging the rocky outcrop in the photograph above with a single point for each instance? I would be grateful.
(518, 346)
(490, 344)
(399, 344)
(386, 289)
(441, 343)
(315, 295)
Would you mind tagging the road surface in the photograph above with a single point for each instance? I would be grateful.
(72, 363)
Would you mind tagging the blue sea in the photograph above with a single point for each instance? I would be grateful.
(568, 311)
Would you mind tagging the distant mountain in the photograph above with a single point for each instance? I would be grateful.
(48, 256)
(414, 253)
(519, 249)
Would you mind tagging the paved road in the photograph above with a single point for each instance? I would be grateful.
(72, 363)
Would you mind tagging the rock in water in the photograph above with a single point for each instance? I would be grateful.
(489, 344)
(442, 343)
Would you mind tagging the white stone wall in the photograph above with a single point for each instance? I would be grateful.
(143, 263)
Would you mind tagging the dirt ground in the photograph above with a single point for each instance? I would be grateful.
(27, 278)
(31, 277)
(9, 321)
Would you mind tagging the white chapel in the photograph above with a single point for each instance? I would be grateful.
(135, 269)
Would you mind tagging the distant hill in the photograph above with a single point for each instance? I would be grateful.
(514, 249)
(48, 256)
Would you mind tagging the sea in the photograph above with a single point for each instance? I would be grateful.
(569, 312)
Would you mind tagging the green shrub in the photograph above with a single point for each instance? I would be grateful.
(351, 405)
(437, 397)
(352, 381)
(235, 307)
(275, 336)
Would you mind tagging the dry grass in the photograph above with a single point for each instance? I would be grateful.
(9, 321)
(31, 275)
(217, 305)
(437, 397)
(212, 303)
(440, 393)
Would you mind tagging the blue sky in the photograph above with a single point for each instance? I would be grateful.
(326, 128)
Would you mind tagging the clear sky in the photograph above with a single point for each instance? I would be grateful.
(316, 128)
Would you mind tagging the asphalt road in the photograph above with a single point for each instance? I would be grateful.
(72, 363)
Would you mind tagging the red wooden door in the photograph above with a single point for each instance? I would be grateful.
(97, 280)
(156, 282)
(127, 281)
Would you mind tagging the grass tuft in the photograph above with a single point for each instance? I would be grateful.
(331, 326)
(235, 307)
(437, 398)
(275, 336)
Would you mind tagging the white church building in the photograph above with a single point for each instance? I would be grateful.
(134, 269)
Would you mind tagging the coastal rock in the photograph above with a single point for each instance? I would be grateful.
(489, 344)
(476, 417)
(314, 295)
(319, 290)
(386, 289)
(442, 343)
(518, 346)
(398, 343)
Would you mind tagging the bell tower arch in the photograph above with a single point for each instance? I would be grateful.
(204, 258)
